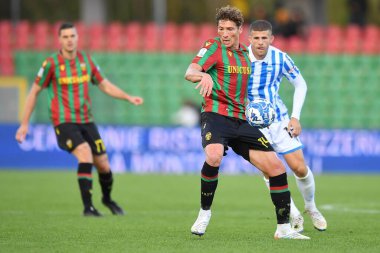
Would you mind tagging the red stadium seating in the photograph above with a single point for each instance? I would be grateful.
(22, 38)
(206, 31)
(6, 37)
(169, 38)
(151, 34)
(96, 37)
(280, 42)
(114, 37)
(334, 39)
(133, 38)
(187, 42)
(295, 45)
(41, 35)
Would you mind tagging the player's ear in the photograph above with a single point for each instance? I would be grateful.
(271, 39)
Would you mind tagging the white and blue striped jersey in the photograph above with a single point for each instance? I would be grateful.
(266, 78)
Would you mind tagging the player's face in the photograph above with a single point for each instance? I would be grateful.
(68, 39)
(260, 41)
(229, 33)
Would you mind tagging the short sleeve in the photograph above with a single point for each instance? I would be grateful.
(45, 74)
(96, 73)
(206, 56)
(290, 70)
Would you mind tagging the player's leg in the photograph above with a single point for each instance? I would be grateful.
(101, 162)
(306, 185)
(270, 164)
(213, 131)
(283, 144)
(296, 219)
(71, 140)
(255, 148)
(209, 183)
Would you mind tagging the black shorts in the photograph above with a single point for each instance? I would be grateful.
(233, 132)
(70, 135)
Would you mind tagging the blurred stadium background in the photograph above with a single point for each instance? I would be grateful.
(145, 46)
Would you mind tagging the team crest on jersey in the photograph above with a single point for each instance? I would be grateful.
(44, 64)
(207, 44)
(202, 52)
(62, 67)
(83, 66)
(230, 53)
(208, 136)
(69, 143)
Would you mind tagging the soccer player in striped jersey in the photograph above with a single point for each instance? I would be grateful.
(67, 76)
(222, 70)
(269, 66)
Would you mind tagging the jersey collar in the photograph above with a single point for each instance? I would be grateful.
(253, 58)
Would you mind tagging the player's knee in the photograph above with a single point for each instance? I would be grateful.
(214, 159)
(275, 167)
(300, 170)
(83, 153)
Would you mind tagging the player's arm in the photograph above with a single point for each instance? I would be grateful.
(28, 110)
(300, 89)
(194, 73)
(112, 90)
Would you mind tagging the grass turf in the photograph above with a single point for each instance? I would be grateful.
(40, 211)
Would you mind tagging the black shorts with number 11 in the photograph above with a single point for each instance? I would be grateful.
(70, 135)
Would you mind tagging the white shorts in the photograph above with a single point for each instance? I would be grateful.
(280, 139)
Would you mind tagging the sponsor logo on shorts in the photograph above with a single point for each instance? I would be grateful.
(69, 143)
(208, 136)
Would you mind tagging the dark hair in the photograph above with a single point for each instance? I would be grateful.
(230, 13)
(260, 25)
(64, 26)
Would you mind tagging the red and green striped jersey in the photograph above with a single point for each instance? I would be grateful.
(230, 71)
(67, 82)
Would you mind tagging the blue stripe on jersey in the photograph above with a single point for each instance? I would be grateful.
(263, 79)
(266, 78)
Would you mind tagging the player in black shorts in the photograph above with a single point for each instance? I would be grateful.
(222, 70)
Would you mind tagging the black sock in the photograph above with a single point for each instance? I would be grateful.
(280, 195)
(106, 180)
(85, 182)
(209, 182)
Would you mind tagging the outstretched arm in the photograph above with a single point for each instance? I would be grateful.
(112, 90)
(195, 74)
(28, 110)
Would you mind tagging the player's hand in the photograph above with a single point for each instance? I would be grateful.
(205, 85)
(294, 127)
(135, 100)
(21, 133)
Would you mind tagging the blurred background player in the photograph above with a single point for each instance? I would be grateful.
(222, 68)
(269, 65)
(67, 75)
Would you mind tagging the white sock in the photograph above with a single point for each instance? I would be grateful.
(306, 185)
(293, 209)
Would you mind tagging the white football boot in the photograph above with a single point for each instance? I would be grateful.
(296, 223)
(284, 231)
(200, 225)
(317, 219)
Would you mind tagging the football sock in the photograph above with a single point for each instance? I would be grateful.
(280, 195)
(209, 182)
(85, 182)
(306, 186)
(293, 209)
(106, 180)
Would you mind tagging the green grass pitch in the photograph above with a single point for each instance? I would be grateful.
(40, 211)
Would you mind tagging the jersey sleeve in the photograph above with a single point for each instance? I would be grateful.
(206, 57)
(45, 74)
(290, 70)
(96, 74)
